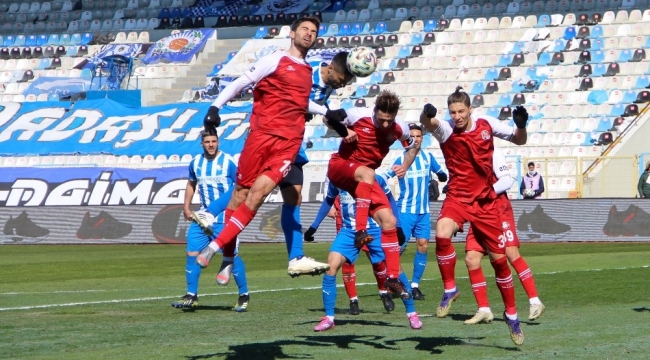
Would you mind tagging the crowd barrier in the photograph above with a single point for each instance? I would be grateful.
(537, 221)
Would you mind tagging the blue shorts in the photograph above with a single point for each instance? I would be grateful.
(415, 225)
(344, 245)
(197, 240)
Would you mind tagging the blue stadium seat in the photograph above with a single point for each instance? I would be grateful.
(8, 41)
(53, 39)
(332, 30)
(531, 72)
(380, 28)
(187, 12)
(598, 97)
(71, 50)
(366, 29)
(629, 96)
(53, 97)
(356, 29)
(518, 47)
(596, 32)
(75, 39)
(543, 21)
(215, 70)
(494, 112)
(404, 51)
(318, 144)
(176, 13)
(64, 39)
(597, 57)
(164, 13)
(491, 74)
(338, 5)
(416, 39)
(505, 60)
(347, 104)
(544, 59)
(260, 33)
(617, 110)
(32, 40)
(504, 100)
(477, 88)
(598, 70)
(625, 56)
(322, 29)
(360, 92)
(20, 40)
(604, 124)
(569, 33)
(344, 30)
(641, 82)
(559, 45)
(41, 40)
(44, 63)
(430, 25)
(231, 55)
(376, 78)
(86, 39)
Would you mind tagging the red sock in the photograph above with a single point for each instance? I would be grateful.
(228, 214)
(227, 239)
(525, 276)
(362, 193)
(391, 251)
(349, 280)
(479, 287)
(504, 283)
(379, 269)
(446, 256)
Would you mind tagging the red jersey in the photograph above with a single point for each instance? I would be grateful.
(281, 95)
(372, 143)
(469, 156)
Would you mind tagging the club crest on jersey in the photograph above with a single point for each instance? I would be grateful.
(290, 68)
(485, 135)
(505, 225)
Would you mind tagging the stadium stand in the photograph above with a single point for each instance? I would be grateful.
(579, 66)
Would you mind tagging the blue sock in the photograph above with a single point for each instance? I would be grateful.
(192, 274)
(239, 273)
(329, 294)
(419, 264)
(292, 229)
(408, 304)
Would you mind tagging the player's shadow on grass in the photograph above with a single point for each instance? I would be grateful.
(344, 341)
(463, 317)
(433, 344)
(358, 321)
(259, 351)
(641, 309)
(209, 307)
(343, 311)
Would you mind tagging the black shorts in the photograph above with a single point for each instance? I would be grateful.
(295, 177)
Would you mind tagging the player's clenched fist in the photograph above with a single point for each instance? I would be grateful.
(336, 115)
(430, 111)
(212, 119)
(309, 234)
(520, 117)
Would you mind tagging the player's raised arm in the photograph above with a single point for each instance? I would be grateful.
(520, 117)
(260, 70)
(428, 118)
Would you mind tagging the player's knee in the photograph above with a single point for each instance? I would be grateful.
(389, 223)
(512, 252)
(364, 174)
(423, 245)
(255, 199)
(445, 228)
(472, 261)
(291, 196)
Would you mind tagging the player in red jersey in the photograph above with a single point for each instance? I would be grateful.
(475, 248)
(283, 82)
(353, 170)
(467, 145)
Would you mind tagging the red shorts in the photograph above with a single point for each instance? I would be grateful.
(485, 222)
(508, 226)
(341, 174)
(265, 154)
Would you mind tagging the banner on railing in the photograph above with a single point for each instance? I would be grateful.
(179, 47)
(546, 220)
(276, 7)
(108, 127)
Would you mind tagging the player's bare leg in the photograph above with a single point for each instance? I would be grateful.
(239, 219)
(479, 288)
(446, 256)
(527, 281)
(299, 264)
(365, 178)
(389, 243)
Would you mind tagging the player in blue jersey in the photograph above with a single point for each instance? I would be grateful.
(343, 249)
(212, 176)
(326, 79)
(413, 204)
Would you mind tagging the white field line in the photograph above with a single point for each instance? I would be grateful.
(47, 306)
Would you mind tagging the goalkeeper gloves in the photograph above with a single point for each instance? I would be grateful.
(309, 234)
(520, 117)
(211, 119)
(430, 111)
(336, 115)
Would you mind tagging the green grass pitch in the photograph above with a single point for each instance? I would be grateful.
(113, 302)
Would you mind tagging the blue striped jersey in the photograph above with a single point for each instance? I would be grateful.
(414, 187)
(319, 91)
(213, 178)
(349, 205)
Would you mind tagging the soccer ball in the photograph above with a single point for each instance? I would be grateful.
(362, 61)
(529, 192)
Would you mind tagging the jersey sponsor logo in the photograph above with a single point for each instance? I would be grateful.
(366, 130)
(503, 168)
(290, 68)
(485, 135)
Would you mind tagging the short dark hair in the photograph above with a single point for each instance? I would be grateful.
(388, 102)
(414, 126)
(209, 132)
(312, 19)
(459, 96)
(531, 163)
(340, 63)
